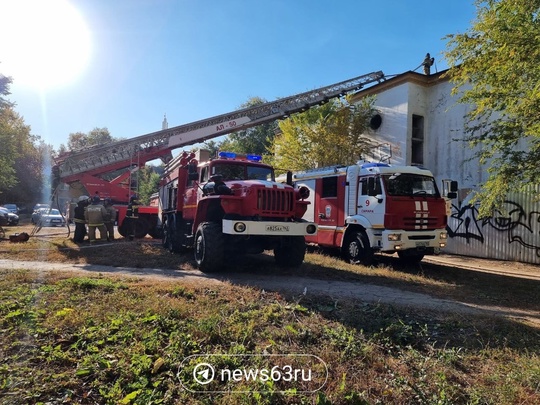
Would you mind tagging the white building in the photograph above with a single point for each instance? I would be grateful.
(422, 123)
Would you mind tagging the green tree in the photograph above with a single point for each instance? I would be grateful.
(212, 146)
(5, 82)
(9, 122)
(255, 140)
(81, 140)
(148, 180)
(322, 136)
(22, 156)
(495, 67)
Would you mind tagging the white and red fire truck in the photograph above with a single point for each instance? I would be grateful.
(376, 207)
(231, 205)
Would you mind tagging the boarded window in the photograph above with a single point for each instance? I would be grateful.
(417, 144)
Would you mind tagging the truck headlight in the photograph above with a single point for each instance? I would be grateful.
(239, 227)
(311, 229)
(394, 237)
(444, 235)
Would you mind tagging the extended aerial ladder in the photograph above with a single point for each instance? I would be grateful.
(90, 165)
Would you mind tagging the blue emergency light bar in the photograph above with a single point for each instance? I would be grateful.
(233, 155)
(368, 165)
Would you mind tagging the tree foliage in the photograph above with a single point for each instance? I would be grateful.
(148, 180)
(81, 140)
(322, 136)
(22, 155)
(5, 82)
(496, 65)
(8, 151)
(255, 140)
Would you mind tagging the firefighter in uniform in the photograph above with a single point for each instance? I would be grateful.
(79, 219)
(132, 214)
(95, 214)
(109, 219)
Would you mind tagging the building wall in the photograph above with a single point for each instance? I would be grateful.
(511, 234)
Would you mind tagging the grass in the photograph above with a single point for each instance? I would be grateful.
(93, 339)
(74, 338)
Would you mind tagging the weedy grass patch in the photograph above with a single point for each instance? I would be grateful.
(68, 338)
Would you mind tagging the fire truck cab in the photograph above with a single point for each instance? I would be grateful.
(231, 205)
(376, 207)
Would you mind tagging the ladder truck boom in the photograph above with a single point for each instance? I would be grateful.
(92, 167)
(106, 158)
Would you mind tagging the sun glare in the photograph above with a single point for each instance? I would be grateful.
(43, 44)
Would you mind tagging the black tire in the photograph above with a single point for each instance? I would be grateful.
(209, 247)
(356, 249)
(167, 237)
(171, 236)
(291, 252)
(410, 258)
(156, 233)
(133, 227)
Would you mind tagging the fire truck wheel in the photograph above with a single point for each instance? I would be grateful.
(356, 249)
(169, 237)
(291, 252)
(209, 247)
(133, 227)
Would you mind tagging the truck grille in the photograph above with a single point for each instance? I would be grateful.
(420, 223)
(275, 201)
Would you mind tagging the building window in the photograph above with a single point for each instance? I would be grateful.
(417, 144)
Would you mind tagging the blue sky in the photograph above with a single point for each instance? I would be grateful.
(195, 59)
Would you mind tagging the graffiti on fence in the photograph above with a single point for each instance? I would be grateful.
(513, 220)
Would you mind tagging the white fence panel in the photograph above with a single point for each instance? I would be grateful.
(512, 233)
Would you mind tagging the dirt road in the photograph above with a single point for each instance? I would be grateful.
(335, 290)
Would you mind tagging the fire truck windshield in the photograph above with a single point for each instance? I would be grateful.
(405, 184)
(243, 172)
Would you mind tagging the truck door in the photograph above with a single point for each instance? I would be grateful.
(371, 202)
(191, 197)
(329, 209)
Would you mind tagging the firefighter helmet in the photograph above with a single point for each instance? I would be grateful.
(83, 198)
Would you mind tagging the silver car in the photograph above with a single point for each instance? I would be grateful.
(48, 217)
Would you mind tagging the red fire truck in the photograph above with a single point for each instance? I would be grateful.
(376, 207)
(231, 205)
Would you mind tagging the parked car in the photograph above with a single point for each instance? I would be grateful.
(48, 217)
(12, 219)
(38, 206)
(3, 218)
(36, 215)
(12, 208)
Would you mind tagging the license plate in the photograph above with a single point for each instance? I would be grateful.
(55, 220)
(277, 228)
(422, 244)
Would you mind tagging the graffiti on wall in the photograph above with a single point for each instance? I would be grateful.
(519, 225)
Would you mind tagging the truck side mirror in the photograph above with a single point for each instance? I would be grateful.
(452, 192)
